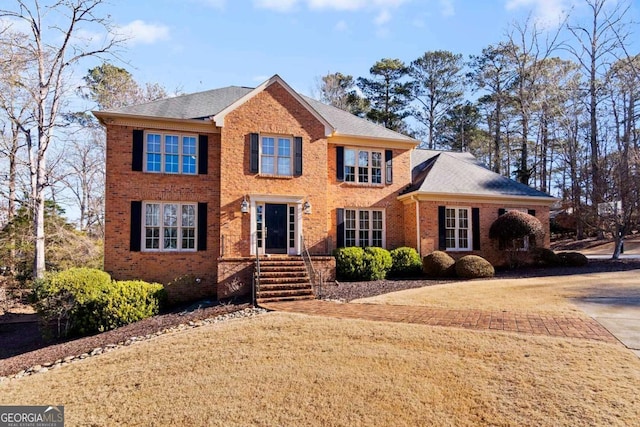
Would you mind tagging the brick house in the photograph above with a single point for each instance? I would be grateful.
(196, 185)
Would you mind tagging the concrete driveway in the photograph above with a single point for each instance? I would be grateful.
(619, 314)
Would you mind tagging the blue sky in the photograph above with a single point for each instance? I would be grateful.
(194, 45)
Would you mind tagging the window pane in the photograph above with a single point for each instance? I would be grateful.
(189, 164)
(153, 162)
(463, 239)
(188, 216)
(284, 147)
(152, 238)
(349, 173)
(268, 146)
(451, 238)
(284, 166)
(363, 159)
(171, 163)
(349, 157)
(267, 166)
(189, 145)
(170, 215)
(153, 143)
(376, 168)
(171, 144)
(170, 238)
(463, 218)
(152, 215)
(188, 238)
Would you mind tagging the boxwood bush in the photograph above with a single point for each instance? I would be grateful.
(474, 267)
(354, 263)
(406, 262)
(439, 264)
(376, 263)
(82, 301)
(349, 262)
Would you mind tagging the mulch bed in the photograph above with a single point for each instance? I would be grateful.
(22, 346)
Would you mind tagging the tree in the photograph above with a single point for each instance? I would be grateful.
(459, 128)
(112, 87)
(438, 87)
(597, 44)
(493, 72)
(387, 93)
(54, 42)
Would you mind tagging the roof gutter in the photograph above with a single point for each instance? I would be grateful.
(418, 195)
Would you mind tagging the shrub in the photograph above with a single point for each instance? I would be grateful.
(406, 262)
(376, 263)
(85, 301)
(438, 264)
(572, 259)
(349, 263)
(546, 257)
(129, 301)
(515, 225)
(474, 267)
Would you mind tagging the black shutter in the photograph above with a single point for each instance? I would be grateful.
(340, 163)
(340, 214)
(137, 150)
(136, 227)
(442, 228)
(203, 154)
(202, 227)
(475, 228)
(298, 155)
(532, 212)
(254, 150)
(501, 211)
(388, 159)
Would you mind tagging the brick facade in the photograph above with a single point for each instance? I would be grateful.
(224, 269)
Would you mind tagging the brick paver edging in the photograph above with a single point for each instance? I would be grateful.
(528, 323)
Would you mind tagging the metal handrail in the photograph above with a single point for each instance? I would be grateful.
(256, 276)
(313, 274)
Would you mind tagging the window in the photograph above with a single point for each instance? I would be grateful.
(362, 166)
(363, 227)
(171, 153)
(457, 227)
(169, 227)
(275, 156)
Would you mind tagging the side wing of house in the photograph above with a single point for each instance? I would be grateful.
(453, 201)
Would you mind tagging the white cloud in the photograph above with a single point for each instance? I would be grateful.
(447, 8)
(277, 5)
(548, 13)
(140, 32)
(341, 26)
(383, 17)
(216, 4)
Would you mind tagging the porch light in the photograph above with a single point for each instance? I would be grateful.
(306, 208)
(244, 206)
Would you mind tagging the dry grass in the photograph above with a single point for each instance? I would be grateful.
(286, 369)
(540, 294)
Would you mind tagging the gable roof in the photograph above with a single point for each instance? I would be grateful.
(461, 174)
(217, 103)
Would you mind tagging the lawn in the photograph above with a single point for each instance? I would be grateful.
(290, 369)
(551, 294)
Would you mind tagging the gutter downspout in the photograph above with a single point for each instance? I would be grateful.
(417, 225)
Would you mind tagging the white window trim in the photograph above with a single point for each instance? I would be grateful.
(371, 229)
(180, 154)
(457, 229)
(525, 239)
(261, 199)
(276, 139)
(143, 228)
(370, 152)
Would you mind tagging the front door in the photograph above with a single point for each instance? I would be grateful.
(276, 228)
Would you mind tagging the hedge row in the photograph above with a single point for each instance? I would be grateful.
(82, 301)
(372, 263)
(441, 264)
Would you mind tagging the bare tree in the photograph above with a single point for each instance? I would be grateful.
(597, 46)
(55, 44)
